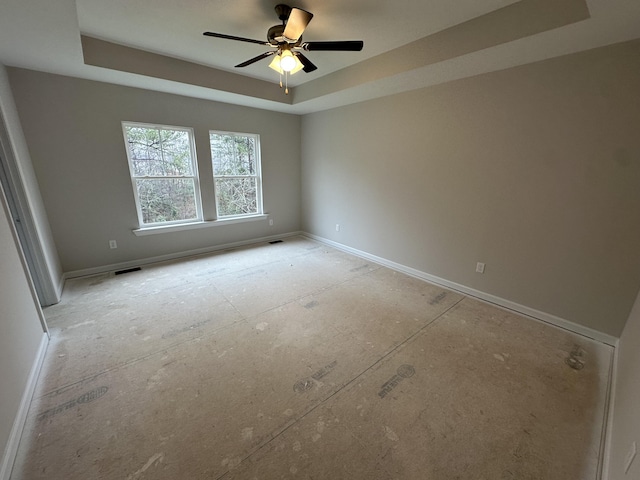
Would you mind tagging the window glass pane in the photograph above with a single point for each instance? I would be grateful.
(145, 151)
(221, 153)
(159, 152)
(167, 200)
(233, 154)
(236, 196)
(176, 150)
(245, 160)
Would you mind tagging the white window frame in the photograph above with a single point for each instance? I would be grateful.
(194, 177)
(257, 176)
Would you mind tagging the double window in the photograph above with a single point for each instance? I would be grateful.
(166, 180)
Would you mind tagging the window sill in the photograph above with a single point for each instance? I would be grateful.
(140, 232)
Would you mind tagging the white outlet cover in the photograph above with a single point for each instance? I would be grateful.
(631, 455)
(480, 267)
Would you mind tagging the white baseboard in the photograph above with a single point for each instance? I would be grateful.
(608, 430)
(487, 297)
(173, 256)
(605, 450)
(60, 286)
(495, 300)
(21, 417)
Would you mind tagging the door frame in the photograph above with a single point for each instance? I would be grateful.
(24, 223)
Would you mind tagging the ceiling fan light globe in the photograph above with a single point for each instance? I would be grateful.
(287, 61)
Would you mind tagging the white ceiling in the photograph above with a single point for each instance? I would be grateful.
(46, 35)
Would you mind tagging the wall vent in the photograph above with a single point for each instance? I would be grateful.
(128, 270)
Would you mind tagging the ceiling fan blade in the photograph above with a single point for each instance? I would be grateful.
(339, 46)
(308, 66)
(255, 59)
(231, 37)
(297, 22)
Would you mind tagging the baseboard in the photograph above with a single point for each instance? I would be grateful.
(21, 417)
(173, 256)
(608, 429)
(60, 286)
(487, 297)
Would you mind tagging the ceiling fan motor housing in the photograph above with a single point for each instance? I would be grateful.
(275, 36)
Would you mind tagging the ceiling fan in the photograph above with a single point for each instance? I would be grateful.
(287, 41)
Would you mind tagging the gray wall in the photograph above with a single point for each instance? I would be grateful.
(73, 128)
(15, 151)
(626, 409)
(20, 331)
(534, 171)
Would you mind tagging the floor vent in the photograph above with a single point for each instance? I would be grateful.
(275, 241)
(128, 270)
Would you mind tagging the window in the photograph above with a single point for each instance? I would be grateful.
(236, 172)
(164, 173)
(166, 185)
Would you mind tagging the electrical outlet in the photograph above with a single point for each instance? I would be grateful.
(271, 222)
(113, 244)
(631, 455)
(480, 267)
(337, 227)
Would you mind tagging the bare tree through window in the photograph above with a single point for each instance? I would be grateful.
(236, 169)
(164, 173)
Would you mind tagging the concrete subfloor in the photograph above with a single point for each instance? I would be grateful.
(298, 361)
